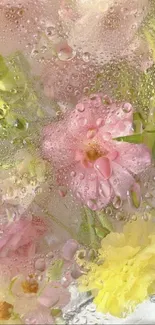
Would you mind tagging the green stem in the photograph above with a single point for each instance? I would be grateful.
(104, 220)
(90, 218)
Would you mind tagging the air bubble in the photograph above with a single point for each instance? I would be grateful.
(66, 54)
(40, 264)
(108, 211)
(86, 57)
(117, 202)
(50, 31)
(81, 176)
(80, 107)
(92, 205)
(73, 174)
(99, 122)
(127, 108)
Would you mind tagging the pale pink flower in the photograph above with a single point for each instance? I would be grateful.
(40, 315)
(21, 236)
(87, 158)
(69, 249)
(54, 295)
(22, 22)
(95, 26)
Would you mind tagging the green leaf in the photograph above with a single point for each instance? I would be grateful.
(83, 233)
(135, 195)
(101, 232)
(87, 234)
(104, 220)
(135, 138)
(54, 271)
(55, 312)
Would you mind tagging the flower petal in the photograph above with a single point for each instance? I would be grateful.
(120, 180)
(54, 295)
(69, 249)
(90, 187)
(88, 114)
(103, 166)
(134, 157)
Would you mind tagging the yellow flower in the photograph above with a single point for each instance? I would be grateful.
(123, 274)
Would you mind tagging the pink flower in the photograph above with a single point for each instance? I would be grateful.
(20, 237)
(95, 26)
(54, 295)
(26, 19)
(40, 315)
(87, 158)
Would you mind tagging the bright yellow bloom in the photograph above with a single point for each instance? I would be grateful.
(123, 274)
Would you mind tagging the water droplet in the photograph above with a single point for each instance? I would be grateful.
(117, 202)
(3, 110)
(78, 194)
(62, 193)
(80, 107)
(73, 174)
(108, 211)
(92, 205)
(50, 30)
(86, 57)
(92, 177)
(134, 217)
(86, 90)
(38, 190)
(82, 121)
(91, 133)
(127, 108)
(99, 122)
(66, 54)
(145, 217)
(119, 216)
(81, 254)
(107, 100)
(91, 254)
(40, 264)
(148, 195)
(13, 91)
(76, 272)
(81, 176)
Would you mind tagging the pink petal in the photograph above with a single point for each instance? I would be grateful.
(121, 180)
(118, 129)
(54, 295)
(20, 236)
(39, 316)
(118, 113)
(103, 166)
(69, 249)
(112, 155)
(86, 116)
(90, 188)
(104, 189)
(134, 157)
